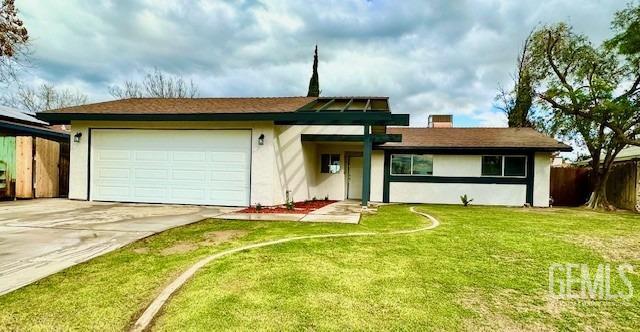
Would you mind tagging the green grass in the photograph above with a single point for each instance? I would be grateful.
(483, 268)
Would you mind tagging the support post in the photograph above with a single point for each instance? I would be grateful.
(366, 165)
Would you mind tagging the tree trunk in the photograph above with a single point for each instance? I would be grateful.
(598, 198)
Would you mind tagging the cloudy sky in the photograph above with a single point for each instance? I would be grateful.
(427, 56)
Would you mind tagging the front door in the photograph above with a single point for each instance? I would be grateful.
(354, 178)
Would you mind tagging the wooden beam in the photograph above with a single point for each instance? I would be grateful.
(346, 107)
(325, 106)
(366, 105)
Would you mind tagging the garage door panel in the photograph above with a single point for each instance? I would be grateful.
(189, 193)
(155, 193)
(147, 156)
(150, 174)
(188, 175)
(117, 155)
(112, 191)
(113, 173)
(171, 166)
(190, 156)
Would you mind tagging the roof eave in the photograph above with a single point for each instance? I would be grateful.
(285, 118)
(475, 149)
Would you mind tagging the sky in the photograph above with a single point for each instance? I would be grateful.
(428, 57)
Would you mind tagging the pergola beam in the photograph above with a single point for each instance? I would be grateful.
(346, 107)
(326, 105)
(366, 105)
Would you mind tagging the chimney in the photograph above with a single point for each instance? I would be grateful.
(440, 121)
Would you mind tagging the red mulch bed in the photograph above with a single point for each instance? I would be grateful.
(299, 207)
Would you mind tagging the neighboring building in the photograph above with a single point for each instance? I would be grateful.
(245, 151)
(30, 149)
(440, 121)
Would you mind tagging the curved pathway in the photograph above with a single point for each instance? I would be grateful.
(144, 321)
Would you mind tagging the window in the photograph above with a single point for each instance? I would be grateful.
(411, 164)
(492, 165)
(326, 160)
(504, 166)
(515, 166)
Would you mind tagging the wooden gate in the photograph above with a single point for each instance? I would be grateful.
(47, 177)
(570, 186)
(24, 166)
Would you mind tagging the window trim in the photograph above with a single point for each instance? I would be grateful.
(330, 161)
(411, 166)
(502, 157)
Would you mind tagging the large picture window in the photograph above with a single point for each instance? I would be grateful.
(411, 164)
(515, 166)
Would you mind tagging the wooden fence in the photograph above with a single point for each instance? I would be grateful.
(33, 167)
(622, 185)
(570, 186)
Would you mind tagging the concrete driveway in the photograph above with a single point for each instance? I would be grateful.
(42, 237)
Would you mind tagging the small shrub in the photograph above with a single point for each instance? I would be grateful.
(258, 207)
(326, 198)
(466, 200)
(289, 201)
(313, 199)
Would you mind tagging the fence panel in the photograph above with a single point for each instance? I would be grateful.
(47, 172)
(570, 186)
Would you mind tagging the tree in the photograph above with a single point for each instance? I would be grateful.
(156, 84)
(626, 24)
(44, 97)
(314, 83)
(588, 92)
(13, 40)
(517, 102)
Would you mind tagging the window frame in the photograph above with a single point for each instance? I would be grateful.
(411, 165)
(502, 159)
(331, 160)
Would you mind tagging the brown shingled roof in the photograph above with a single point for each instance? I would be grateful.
(191, 106)
(474, 138)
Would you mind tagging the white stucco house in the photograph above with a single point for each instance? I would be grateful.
(245, 151)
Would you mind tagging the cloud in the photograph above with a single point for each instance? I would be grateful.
(428, 57)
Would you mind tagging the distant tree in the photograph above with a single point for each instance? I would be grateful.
(592, 93)
(44, 97)
(314, 83)
(13, 40)
(156, 84)
(517, 102)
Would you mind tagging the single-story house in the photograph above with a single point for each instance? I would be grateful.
(245, 151)
(32, 156)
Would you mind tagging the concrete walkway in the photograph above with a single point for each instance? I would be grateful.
(42, 237)
(347, 212)
(144, 321)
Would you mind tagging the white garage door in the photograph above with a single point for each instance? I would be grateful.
(209, 167)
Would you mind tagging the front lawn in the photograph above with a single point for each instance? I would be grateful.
(483, 268)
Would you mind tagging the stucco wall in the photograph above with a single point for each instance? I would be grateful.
(377, 175)
(262, 163)
(482, 193)
(449, 193)
(542, 179)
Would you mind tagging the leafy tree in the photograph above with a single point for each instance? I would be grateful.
(13, 40)
(314, 83)
(626, 24)
(517, 102)
(44, 97)
(592, 93)
(156, 84)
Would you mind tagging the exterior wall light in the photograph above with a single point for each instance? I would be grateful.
(261, 139)
(76, 137)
